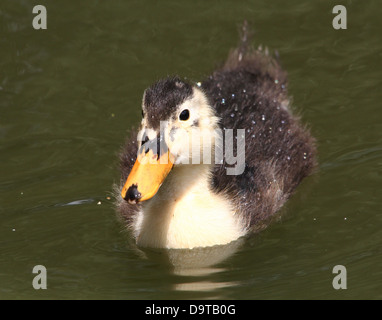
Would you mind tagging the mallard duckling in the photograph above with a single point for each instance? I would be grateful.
(169, 201)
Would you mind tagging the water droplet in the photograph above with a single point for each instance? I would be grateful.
(233, 95)
(263, 117)
(199, 84)
(288, 157)
(232, 115)
(282, 121)
(236, 107)
(253, 122)
(244, 91)
(223, 101)
(253, 136)
(276, 81)
(248, 130)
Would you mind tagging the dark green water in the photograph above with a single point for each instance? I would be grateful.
(69, 94)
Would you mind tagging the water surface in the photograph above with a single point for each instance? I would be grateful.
(69, 94)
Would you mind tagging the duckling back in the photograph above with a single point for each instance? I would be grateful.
(250, 92)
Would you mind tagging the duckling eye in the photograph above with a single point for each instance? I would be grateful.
(184, 115)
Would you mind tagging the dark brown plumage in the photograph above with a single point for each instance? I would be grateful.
(162, 98)
(251, 93)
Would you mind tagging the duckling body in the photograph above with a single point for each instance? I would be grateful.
(200, 205)
(194, 216)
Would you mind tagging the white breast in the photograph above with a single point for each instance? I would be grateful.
(181, 215)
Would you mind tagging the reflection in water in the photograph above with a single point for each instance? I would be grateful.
(204, 286)
(194, 266)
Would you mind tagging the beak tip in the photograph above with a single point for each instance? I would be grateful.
(132, 194)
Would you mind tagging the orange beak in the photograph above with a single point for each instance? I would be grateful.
(146, 176)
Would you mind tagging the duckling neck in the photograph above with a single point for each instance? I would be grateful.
(185, 213)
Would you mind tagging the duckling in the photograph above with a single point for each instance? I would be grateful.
(169, 200)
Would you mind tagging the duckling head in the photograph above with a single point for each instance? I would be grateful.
(178, 126)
